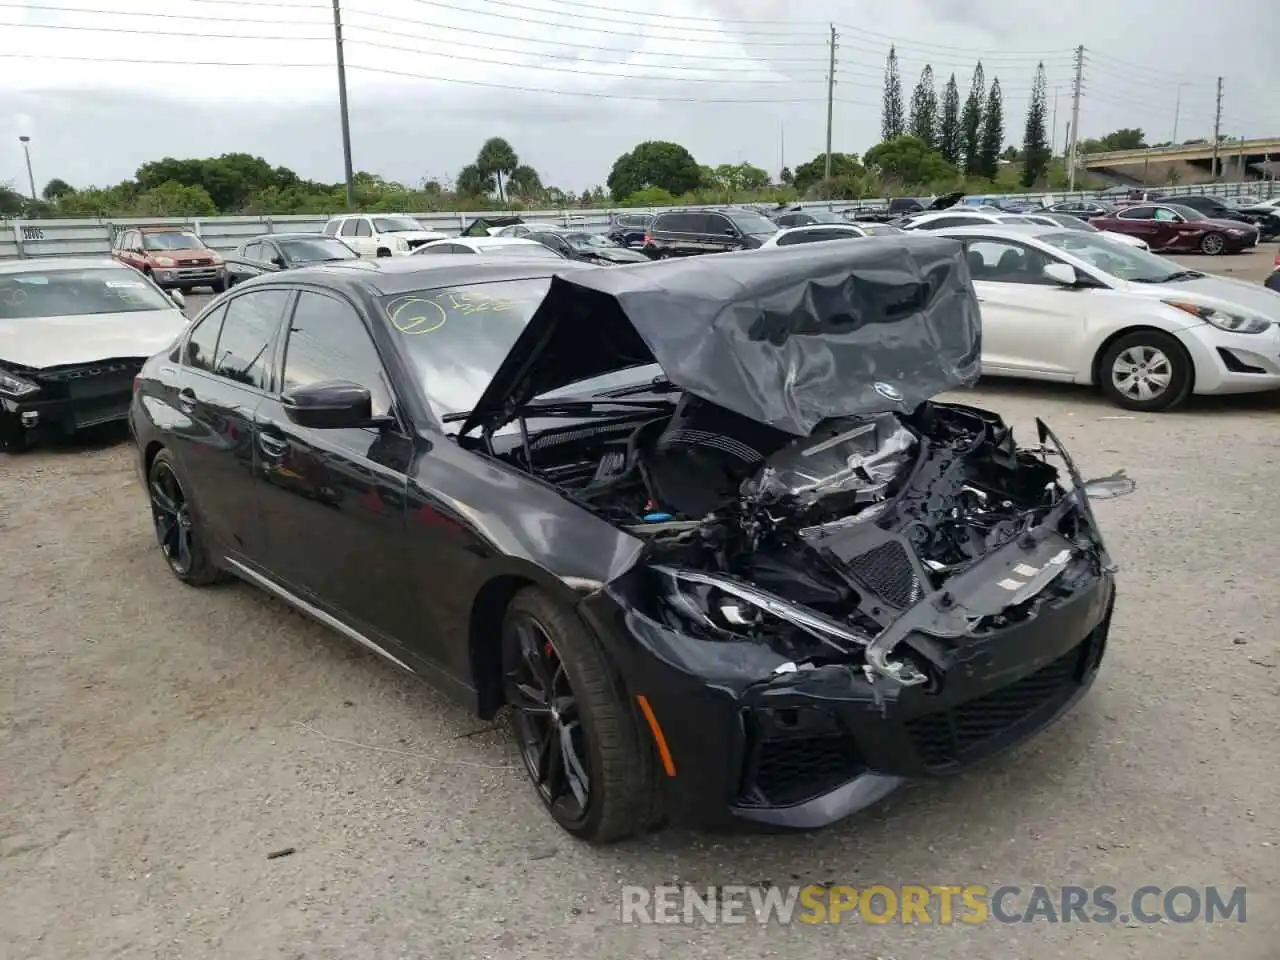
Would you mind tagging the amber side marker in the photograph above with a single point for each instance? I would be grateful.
(667, 763)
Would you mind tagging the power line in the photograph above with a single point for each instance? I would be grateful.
(163, 33)
(574, 4)
(160, 63)
(153, 16)
(741, 41)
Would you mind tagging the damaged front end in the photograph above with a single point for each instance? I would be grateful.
(894, 596)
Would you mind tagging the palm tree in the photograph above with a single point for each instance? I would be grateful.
(525, 182)
(497, 160)
(472, 182)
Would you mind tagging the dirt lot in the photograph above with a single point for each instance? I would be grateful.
(158, 742)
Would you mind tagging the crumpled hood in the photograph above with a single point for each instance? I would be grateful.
(616, 254)
(1223, 293)
(787, 337)
(59, 341)
(423, 235)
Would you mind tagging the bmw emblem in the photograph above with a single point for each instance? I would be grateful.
(888, 391)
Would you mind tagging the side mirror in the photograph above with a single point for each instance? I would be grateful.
(329, 405)
(177, 297)
(277, 261)
(731, 232)
(1062, 273)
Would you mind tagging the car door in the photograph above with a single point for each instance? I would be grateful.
(333, 501)
(557, 243)
(272, 259)
(1031, 325)
(226, 363)
(349, 232)
(720, 234)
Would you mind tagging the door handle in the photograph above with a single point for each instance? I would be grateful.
(272, 446)
(187, 399)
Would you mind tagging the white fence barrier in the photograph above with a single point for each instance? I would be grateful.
(92, 237)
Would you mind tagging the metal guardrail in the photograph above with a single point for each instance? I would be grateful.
(92, 237)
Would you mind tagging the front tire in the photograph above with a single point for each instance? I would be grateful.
(218, 286)
(574, 729)
(179, 531)
(1146, 370)
(1213, 244)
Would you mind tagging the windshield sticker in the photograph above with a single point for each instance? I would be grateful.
(125, 284)
(418, 315)
(33, 280)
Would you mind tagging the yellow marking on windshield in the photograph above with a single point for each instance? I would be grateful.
(418, 315)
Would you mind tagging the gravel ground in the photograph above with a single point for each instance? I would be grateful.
(158, 742)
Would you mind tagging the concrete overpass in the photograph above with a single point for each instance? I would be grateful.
(1187, 163)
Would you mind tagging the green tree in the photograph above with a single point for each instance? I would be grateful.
(891, 110)
(992, 140)
(740, 177)
(173, 199)
(949, 137)
(909, 161)
(786, 176)
(845, 167)
(923, 122)
(11, 201)
(654, 163)
(473, 182)
(525, 182)
(229, 179)
(56, 189)
(971, 121)
(1128, 138)
(497, 160)
(1036, 153)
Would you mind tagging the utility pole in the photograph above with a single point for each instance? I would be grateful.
(1053, 136)
(342, 105)
(1217, 125)
(831, 96)
(1177, 109)
(1075, 120)
(782, 146)
(31, 180)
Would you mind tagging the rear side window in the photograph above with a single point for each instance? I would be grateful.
(363, 229)
(247, 330)
(203, 341)
(349, 228)
(681, 222)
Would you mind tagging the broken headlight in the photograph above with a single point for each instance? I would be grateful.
(730, 607)
(14, 386)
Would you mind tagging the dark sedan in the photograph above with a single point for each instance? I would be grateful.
(716, 575)
(1174, 228)
(284, 251)
(806, 218)
(1083, 209)
(587, 247)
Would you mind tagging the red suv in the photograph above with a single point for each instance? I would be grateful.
(171, 257)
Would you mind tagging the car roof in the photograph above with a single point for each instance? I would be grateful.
(1011, 230)
(47, 264)
(387, 276)
(290, 236)
(491, 241)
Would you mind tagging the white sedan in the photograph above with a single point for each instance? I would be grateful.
(489, 247)
(1078, 308)
(814, 232)
(960, 217)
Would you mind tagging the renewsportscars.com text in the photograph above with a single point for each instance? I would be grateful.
(943, 904)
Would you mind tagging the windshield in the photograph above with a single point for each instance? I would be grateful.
(316, 250)
(396, 225)
(877, 229)
(825, 216)
(1068, 222)
(1015, 219)
(77, 293)
(582, 241)
(1127, 263)
(171, 241)
(457, 337)
(753, 223)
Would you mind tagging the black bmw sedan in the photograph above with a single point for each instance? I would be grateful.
(697, 524)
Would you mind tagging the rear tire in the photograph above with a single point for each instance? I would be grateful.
(577, 735)
(179, 530)
(218, 286)
(1146, 370)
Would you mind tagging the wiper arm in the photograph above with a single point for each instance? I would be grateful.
(656, 385)
(1183, 275)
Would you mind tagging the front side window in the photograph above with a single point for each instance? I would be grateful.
(253, 251)
(362, 228)
(754, 224)
(1139, 213)
(349, 227)
(316, 250)
(247, 331)
(1001, 261)
(328, 341)
(35, 293)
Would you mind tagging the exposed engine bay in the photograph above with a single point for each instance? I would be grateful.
(850, 528)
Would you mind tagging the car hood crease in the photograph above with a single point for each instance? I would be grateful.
(788, 338)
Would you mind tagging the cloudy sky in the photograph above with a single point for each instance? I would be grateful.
(573, 83)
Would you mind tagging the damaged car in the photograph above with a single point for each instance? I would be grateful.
(73, 333)
(698, 525)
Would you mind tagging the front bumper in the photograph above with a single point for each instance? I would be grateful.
(1233, 362)
(172, 278)
(807, 748)
(70, 399)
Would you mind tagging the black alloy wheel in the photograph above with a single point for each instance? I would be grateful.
(548, 726)
(177, 525)
(576, 733)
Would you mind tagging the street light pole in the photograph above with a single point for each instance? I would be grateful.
(31, 180)
(342, 105)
